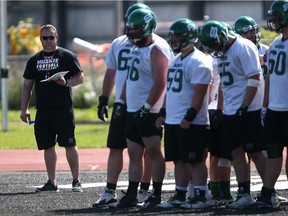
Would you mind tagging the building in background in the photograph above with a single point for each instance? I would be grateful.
(102, 21)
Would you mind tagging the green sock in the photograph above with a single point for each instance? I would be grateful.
(214, 188)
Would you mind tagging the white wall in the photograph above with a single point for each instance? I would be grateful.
(230, 11)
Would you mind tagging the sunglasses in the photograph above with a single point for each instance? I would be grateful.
(48, 37)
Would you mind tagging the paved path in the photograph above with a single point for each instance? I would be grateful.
(33, 160)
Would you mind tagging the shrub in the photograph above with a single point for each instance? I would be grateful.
(267, 36)
(24, 38)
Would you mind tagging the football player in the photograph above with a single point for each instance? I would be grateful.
(276, 100)
(242, 86)
(116, 73)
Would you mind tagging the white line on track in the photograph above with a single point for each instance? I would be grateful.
(169, 185)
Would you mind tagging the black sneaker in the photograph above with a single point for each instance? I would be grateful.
(125, 202)
(48, 187)
(76, 186)
(152, 201)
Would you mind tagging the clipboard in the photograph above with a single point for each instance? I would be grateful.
(55, 76)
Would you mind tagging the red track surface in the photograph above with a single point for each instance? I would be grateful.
(33, 160)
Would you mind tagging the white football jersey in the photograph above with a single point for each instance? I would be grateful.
(239, 62)
(278, 66)
(183, 74)
(117, 59)
(140, 76)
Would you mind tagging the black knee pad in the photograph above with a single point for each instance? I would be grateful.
(274, 150)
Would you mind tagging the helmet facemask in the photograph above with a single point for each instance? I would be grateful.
(255, 36)
(179, 42)
(136, 35)
(274, 21)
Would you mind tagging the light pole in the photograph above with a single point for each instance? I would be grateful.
(4, 69)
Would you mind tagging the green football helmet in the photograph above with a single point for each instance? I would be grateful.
(246, 24)
(134, 7)
(185, 30)
(229, 27)
(278, 15)
(140, 25)
(230, 30)
(214, 37)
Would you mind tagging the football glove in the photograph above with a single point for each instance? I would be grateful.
(241, 113)
(102, 109)
(119, 109)
(141, 116)
(162, 112)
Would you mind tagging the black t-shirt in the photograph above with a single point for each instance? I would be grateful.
(43, 65)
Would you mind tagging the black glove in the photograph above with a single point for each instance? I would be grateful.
(162, 112)
(141, 116)
(119, 109)
(190, 114)
(241, 113)
(217, 118)
(102, 109)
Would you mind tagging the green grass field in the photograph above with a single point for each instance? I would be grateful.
(90, 132)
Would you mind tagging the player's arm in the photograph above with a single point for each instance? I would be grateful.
(220, 99)
(159, 64)
(197, 102)
(108, 82)
(251, 89)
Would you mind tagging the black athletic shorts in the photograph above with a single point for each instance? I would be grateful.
(247, 133)
(276, 127)
(186, 145)
(54, 125)
(116, 136)
(148, 129)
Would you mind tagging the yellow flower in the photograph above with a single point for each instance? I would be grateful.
(24, 38)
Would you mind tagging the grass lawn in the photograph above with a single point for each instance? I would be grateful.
(20, 135)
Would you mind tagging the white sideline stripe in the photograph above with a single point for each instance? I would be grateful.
(169, 185)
